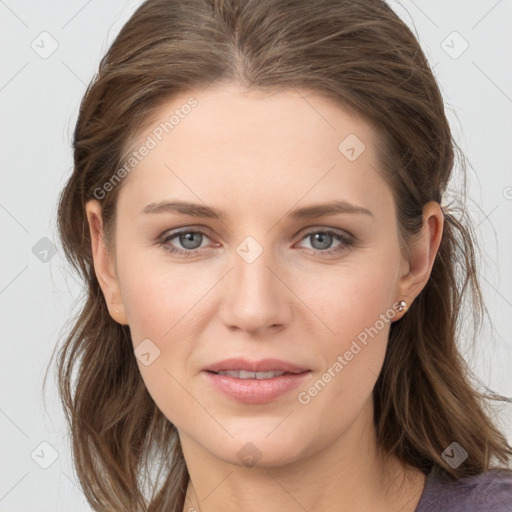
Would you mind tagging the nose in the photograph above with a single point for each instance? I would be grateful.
(256, 298)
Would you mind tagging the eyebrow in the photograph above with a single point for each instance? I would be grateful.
(199, 210)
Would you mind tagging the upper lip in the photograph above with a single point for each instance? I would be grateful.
(263, 365)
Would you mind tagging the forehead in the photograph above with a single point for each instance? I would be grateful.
(237, 143)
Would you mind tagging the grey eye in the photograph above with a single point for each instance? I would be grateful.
(190, 240)
(321, 240)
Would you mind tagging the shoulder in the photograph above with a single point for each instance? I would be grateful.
(491, 490)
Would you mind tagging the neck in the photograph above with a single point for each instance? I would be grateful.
(347, 475)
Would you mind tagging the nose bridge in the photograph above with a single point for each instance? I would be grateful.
(252, 276)
(256, 298)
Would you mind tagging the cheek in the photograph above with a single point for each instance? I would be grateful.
(161, 307)
(160, 298)
(356, 312)
(165, 304)
(349, 298)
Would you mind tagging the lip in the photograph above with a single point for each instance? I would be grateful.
(255, 391)
(263, 365)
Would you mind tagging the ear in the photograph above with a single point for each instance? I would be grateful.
(104, 267)
(416, 272)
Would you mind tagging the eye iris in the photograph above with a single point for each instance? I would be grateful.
(325, 240)
(187, 240)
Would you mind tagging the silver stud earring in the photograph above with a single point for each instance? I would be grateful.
(401, 306)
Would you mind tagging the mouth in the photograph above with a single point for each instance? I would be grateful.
(244, 367)
(243, 374)
(255, 382)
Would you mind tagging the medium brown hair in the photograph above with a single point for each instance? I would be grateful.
(359, 54)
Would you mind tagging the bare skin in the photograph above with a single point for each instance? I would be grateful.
(256, 157)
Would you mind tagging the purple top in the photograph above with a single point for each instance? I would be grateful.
(488, 492)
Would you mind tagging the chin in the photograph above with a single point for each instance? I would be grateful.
(261, 449)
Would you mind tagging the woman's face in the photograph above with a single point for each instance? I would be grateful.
(269, 279)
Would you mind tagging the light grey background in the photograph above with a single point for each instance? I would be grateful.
(42, 80)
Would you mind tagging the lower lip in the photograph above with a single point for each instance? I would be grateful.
(256, 391)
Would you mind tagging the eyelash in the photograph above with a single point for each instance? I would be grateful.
(347, 242)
